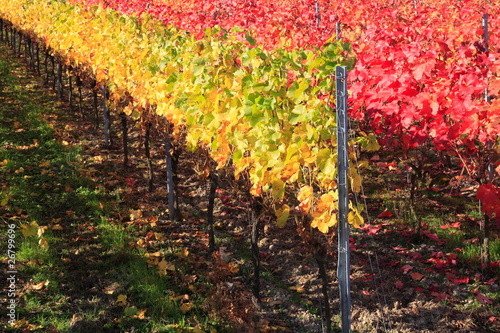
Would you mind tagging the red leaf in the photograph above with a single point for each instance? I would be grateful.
(385, 213)
(440, 296)
(490, 281)
(417, 276)
(406, 268)
(391, 263)
(398, 284)
(483, 299)
(415, 255)
(371, 229)
(364, 292)
(458, 280)
(434, 237)
(455, 225)
(489, 195)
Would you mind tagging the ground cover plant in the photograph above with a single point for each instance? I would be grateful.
(245, 133)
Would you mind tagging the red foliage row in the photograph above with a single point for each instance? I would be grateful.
(422, 66)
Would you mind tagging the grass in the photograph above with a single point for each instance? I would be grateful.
(77, 262)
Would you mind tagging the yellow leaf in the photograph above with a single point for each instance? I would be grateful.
(282, 215)
(44, 164)
(278, 189)
(29, 229)
(164, 266)
(135, 214)
(141, 314)
(234, 268)
(354, 218)
(43, 243)
(355, 179)
(372, 143)
(290, 172)
(305, 196)
(121, 300)
(56, 227)
(186, 307)
(197, 330)
(324, 221)
(5, 201)
(40, 285)
(41, 231)
(183, 253)
(326, 202)
(298, 288)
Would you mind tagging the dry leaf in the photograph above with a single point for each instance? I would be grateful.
(186, 307)
(43, 243)
(29, 229)
(121, 300)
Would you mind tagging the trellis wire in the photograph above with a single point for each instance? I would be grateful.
(382, 300)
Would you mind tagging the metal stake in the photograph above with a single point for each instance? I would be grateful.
(343, 267)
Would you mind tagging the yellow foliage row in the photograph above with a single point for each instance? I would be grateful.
(256, 108)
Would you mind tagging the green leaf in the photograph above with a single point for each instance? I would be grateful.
(130, 311)
(250, 40)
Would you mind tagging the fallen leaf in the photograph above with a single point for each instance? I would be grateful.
(43, 243)
(130, 311)
(40, 285)
(458, 280)
(141, 314)
(417, 276)
(121, 300)
(29, 229)
(406, 268)
(186, 307)
(234, 268)
(298, 288)
(386, 213)
(483, 299)
(183, 253)
(135, 214)
(398, 284)
(440, 296)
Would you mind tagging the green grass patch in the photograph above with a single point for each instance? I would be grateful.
(73, 259)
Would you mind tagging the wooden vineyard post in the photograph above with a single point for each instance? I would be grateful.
(254, 246)
(485, 257)
(213, 178)
(343, 268)
(123, 117)
(79, 84)
(148, 157)
(105, 113)
(95, 103)
(59, 80)
(318, 15)
(170, 174)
